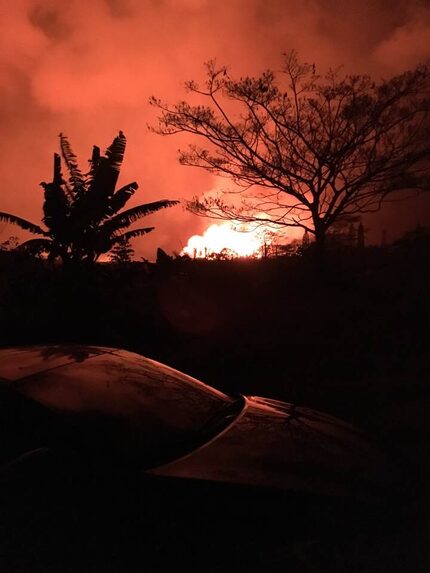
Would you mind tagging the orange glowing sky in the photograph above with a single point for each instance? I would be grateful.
(87, 68)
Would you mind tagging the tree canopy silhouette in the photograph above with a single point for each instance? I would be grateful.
(122, 253)
(304, 150)
(82, 215)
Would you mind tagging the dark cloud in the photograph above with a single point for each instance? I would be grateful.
(88, 68)
(122, 8)
(49, 18)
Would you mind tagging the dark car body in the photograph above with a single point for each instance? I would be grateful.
(109, 459)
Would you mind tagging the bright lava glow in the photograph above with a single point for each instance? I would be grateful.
(225, 238)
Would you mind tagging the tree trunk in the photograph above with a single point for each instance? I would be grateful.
(320, 240)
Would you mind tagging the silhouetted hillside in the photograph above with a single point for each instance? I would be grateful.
(277, 326)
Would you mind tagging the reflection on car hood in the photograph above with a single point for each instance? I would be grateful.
(276, 444)
(119, 403)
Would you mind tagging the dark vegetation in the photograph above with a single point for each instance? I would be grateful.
(83, 214)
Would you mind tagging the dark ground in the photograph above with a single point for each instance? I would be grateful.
(351, 338)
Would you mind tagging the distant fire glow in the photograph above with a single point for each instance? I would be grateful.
(225, 238)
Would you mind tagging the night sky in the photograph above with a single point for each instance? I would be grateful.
(87, 68)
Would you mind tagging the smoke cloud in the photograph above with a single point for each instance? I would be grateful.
(88, 68)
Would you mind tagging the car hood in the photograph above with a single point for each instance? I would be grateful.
(276, 444)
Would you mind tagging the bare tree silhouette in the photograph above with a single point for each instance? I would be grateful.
(304, 150)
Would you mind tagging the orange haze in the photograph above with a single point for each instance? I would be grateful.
(88, 68)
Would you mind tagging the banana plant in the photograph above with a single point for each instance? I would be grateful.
(83, 214)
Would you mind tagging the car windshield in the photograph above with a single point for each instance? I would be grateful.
(117, 402)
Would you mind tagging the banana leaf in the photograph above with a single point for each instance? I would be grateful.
(22, 223)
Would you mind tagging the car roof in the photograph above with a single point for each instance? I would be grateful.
(107, 399)
(19, 362)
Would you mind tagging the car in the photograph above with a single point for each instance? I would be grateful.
(105, 441)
